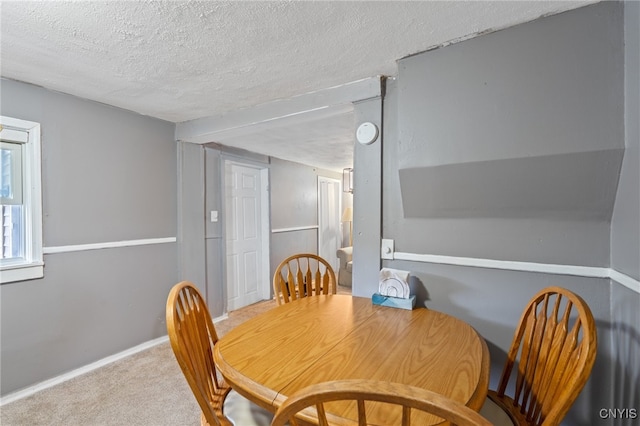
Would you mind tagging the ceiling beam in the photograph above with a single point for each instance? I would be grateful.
(308, 106)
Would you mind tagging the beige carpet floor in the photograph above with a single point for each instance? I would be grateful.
(146, 388)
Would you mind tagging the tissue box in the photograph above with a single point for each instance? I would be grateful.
(394, 302)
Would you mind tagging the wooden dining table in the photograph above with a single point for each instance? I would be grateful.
(335, 337)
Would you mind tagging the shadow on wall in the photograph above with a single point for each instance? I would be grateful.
(586, 408)
(418, 288)
(623, 366)
(624, 330)
(626, 373)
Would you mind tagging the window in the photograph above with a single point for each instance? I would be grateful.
(21, 201)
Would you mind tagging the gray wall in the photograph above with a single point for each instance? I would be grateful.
(489, 152)
(625, 233)
(514, 134)
(625, 330)
(294, 203)
(490, 300)
(367, 199)
(191, 219)
(625, 226)
(214, 232)
(107, 175)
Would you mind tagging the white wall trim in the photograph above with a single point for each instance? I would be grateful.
(265, 225)
(80, 371)
(88, 368)
(548, 268)
(545, 268)
(113, 244)
(625, 280)
(295, 228)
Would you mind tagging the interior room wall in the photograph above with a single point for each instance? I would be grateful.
(367, 216)
(515, 134)
(625, 234)
(108, 175)
(294, 208)
(214, 232)
(539, 93)
(491, 300)
(625, 225)
(192, 247)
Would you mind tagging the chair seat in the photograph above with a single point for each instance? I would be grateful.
(242, 412)
(349, 266)
(496, 415)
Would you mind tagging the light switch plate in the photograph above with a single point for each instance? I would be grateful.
(214, 215)
(386, 249)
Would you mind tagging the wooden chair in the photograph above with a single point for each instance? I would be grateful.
(402, 399)
(193, 336)
(549, 361)
(303, 275)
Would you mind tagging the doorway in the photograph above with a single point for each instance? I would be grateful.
(246, 234)
(329, 230)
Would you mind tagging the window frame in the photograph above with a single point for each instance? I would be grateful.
(32, 265)
(16, 172)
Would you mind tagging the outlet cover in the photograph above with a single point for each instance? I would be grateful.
(386, 249)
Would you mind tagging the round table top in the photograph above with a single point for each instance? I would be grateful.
(335, 337)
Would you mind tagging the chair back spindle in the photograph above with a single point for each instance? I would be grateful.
(303, 275)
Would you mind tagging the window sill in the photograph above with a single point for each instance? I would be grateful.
(22, 272)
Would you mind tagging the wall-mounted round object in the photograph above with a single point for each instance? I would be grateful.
(367, 133)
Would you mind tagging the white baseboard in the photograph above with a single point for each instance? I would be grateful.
(23, 393)
(80, 371)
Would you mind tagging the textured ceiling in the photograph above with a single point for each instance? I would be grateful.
(180, 61)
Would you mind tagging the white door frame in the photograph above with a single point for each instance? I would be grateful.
(265, 282)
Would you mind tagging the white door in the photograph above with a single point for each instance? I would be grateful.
(329, 234)
(243, 235)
